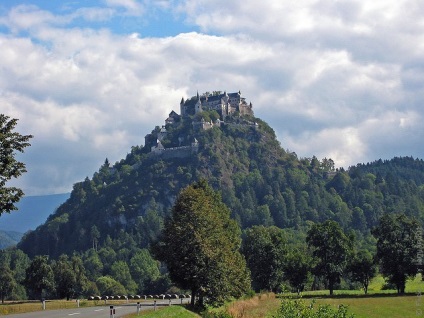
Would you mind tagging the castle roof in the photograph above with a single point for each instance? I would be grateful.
(209, 98)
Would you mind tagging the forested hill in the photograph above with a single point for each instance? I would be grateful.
(124, 205)
(9, 238)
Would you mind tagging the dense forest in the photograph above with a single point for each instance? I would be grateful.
(111, 219)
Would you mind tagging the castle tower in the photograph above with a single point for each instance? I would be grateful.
(198, 106)
(182, 108)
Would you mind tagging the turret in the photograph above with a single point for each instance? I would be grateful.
(198, 106)
(182, 108)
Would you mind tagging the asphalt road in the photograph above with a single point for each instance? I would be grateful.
(94, 312)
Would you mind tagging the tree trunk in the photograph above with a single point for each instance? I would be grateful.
(193, 296)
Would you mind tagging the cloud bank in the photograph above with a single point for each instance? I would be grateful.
(341, 80)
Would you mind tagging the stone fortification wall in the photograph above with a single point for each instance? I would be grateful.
(175, 152)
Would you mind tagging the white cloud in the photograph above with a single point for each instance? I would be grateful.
(339, 79)
(132, 7)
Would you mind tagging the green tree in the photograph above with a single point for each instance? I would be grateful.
(398, 239)
(81, 280)
(109, 286)
(297, 268)
(17, 261)
(200, 246)
(331, 249)
(65, 278)
(7, 282)
(93, 264)
(95, 235)
(39, 276)
(121, 273)
(265, 251)
(10, 142)
(362, 269)
(144, 269)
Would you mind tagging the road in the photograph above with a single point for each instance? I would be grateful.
(94, 312)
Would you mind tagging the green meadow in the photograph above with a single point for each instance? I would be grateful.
(378, 303)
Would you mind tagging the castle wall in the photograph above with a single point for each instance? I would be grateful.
(175, 152)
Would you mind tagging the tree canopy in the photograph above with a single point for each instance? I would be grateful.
(398, 248)
(10, 143)
(331, 249)
(265, 249)
(200, 246)
(39, 276)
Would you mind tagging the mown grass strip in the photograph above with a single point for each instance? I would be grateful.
(166, 312)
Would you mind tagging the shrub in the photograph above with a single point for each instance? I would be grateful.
(298, 308)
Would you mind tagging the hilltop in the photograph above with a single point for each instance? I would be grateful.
(217, 137)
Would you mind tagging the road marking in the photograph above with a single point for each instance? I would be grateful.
(75, 313)
(99, 309)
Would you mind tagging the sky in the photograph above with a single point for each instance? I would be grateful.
(89, 79)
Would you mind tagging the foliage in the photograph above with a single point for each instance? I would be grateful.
(331, 249)
(121, 209)
(297, 268)
(299, 308)
(65, 279)
(362, 269)
(200, 246)
(39, 277)
(145, 269)
(109, 286)
(121, 272)
(398, 243)
(265, 251)
(70, 279)
(261, 183)
(7, 282)
(10, 143)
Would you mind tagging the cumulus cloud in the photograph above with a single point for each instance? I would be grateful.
(341, 80)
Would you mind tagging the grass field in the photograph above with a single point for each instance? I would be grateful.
(166, 312)
(17, 307)
(380, 306)
(378, 303)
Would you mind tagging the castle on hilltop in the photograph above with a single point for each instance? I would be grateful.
(226, 105)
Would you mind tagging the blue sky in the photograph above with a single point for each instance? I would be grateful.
(154, 19)
(89, 79)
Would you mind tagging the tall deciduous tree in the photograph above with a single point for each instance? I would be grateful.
(297, 267)
(10, 142)
(64, 276)
(398, 243)
(265, 252)
(121, 273)
(144, 269)
(39, 276)
(7, 282)
(362, 269)
(331, 249)
(81, 280)
(200, 246)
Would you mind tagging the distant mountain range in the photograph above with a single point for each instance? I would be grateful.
(9, 238)
(32, 212)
